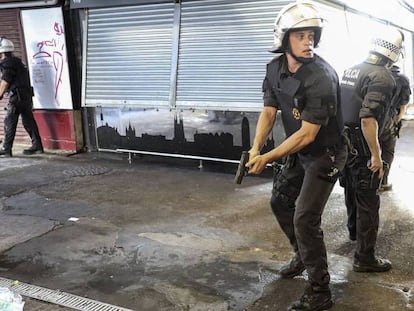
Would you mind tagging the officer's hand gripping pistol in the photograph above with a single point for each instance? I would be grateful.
(242, 169)
(376, 181)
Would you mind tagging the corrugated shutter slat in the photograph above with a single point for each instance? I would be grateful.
(223, 53)
(129, 55)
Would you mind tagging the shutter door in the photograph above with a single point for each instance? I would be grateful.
(128, 57)
(11, 29)
(223, 53)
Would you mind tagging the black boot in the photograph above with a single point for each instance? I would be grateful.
(313, 300)
(377, 265)
(5, 153)
(33, 150)
(294, 268)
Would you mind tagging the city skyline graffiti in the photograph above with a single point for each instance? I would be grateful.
(214, 143)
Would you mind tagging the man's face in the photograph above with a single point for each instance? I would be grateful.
(301, 43)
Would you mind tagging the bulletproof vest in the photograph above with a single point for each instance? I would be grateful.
(290, 93)
(351, 98)
(355, 84)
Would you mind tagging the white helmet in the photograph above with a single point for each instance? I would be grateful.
(6, 45)
(389, 43)
(297, 15)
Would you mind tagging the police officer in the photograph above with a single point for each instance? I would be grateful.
(391, 131)
(367, 90)
(16, 82)
(305, 88)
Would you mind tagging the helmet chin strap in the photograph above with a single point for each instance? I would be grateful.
(303, 60)
(375, 59)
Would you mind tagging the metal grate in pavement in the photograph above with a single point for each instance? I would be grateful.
(31, 304)
(81, 171)
(58, 297)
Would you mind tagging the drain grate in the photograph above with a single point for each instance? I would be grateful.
(59, 298)
(81, 171)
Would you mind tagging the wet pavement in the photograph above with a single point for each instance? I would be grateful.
(161, 234)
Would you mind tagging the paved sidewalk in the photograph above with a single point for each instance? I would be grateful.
(37, 305)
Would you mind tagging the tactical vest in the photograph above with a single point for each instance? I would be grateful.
(356, 83)
(13, 69)
(290, 91)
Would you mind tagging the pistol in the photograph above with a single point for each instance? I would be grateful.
(242, 169)
(375, 181)
(397, 129)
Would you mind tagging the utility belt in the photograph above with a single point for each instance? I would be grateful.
(359, 161)
(318, 150)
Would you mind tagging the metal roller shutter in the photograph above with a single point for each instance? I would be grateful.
(128, 56)
(223, 53)
(11, 29)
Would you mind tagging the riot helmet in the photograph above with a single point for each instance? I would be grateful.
(389, 43)
(296, 16)
(6, 45)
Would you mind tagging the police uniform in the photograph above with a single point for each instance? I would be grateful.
(302, 188)
(15, 73)
(366, 91)
(390, 134)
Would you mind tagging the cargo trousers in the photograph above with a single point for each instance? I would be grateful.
(14, 110)
(301, 189)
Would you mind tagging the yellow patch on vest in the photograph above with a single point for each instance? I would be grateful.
(296, 113)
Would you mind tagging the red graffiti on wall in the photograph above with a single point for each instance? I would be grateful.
(53, 49)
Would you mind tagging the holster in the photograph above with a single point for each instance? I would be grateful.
(366, 179)
(356, 142)
(283, 189)
(397, 129)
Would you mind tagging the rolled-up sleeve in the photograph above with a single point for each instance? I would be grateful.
(269, 98)
(378, 93)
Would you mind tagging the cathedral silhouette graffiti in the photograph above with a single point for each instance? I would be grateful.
(215, 145)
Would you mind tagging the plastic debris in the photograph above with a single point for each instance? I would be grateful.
(10, 300)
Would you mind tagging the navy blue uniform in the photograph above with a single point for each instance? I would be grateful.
(15, 73)
(302, 188)
(366, 91)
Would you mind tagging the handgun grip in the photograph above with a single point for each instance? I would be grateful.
(242, 170)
